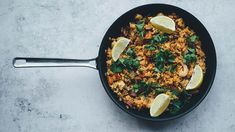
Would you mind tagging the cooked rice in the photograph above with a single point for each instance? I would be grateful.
(121, 83)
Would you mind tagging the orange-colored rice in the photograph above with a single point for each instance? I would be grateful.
(177, 45)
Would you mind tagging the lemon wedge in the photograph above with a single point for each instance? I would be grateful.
(196, 79)
(163, 23)
(159, 105)
(119, 47)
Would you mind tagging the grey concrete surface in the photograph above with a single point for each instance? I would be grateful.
(73, 99)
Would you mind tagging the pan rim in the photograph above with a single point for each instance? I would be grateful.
(210, 83)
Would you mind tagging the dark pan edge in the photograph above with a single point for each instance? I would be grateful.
(103, 77)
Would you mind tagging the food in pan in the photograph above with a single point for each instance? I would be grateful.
(156, 63)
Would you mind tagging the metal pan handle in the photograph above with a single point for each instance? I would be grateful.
(21, 62)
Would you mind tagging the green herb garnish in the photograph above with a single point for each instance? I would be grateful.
(177, 104)
(160, 90)
(159, 39)
(163, 58)
(190, 56)
(130, 64)
(126, 63)
(150, 47)
(175, 92)
(175, 107)
(172, 68)
(140, 87)
(117, 67)
(140, 28)
(145, 88)
(192, 39)
(131, 52)
(136, 88)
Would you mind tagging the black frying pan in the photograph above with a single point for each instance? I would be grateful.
(99, 63)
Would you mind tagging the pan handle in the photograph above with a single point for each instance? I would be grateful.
(21, 62)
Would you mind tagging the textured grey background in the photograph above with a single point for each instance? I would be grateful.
(73, 99)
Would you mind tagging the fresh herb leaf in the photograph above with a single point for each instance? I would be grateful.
(175, 107)
(192, 39)
(190, 56)
(150, 47)
(162, 58)
(116, 67)
(175, 92)
(160, 90)
(135, 63)
(169, 57)
(136, 88)
(140, 28)
(125, 63)
(172, 68)
(140, 87)
(177, 104)
(186, 95)
(131, 52)
(130, 64)
(159, 66)
(192, 50)
(156, 69)
(142, 33)
(155, 85)
(145, 88)
(159, 39)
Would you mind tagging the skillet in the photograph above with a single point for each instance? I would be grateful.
(114, 31)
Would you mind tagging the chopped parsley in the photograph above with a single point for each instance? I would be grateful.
(162, 58)
(172, 68)
(126, 63)
(190, 56)
(177, 104)
(130, 64)
(144, 88)
(150, 47)
(117, 67)
(191, 41)
(140, 28)
(131, 52)
(159, 39)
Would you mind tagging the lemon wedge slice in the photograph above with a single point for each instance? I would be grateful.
(163, 23)
(159, 105)
(196, 79)
(119, 47)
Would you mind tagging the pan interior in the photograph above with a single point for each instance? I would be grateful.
(193, 23)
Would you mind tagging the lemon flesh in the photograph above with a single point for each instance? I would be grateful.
(196, 79)
(163, 23)
(159, 105)
(119, 47)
